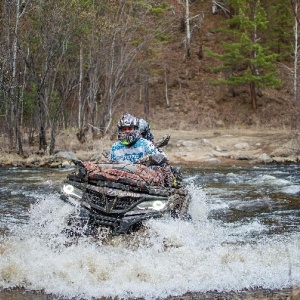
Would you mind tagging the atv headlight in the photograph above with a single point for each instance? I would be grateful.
(72, 190)
(153, 205)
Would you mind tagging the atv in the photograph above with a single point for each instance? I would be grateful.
(120, 197)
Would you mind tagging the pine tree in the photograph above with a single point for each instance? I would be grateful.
(247, 60)
(279, 34)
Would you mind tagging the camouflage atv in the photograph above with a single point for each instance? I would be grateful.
(121, 196)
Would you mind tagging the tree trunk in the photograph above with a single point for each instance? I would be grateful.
(188, 30)
(166, 87)
(80, 98)
(15, 95)
(52, 141)
(17, 126)
(296, 113)
(42, 129)
(106, 119)
(93, 120)
(253, 95)
(146, 95)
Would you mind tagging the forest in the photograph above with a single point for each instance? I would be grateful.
(77, 64)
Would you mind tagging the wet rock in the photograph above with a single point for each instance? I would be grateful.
(61, 159)
(289, 159)
(65, 154)
(244, 157)
(264, 158)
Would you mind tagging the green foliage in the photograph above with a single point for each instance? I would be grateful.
(248, 58)
(162, 37)
(83, 3)
(159, 9)
(279, 34)
(275, 18)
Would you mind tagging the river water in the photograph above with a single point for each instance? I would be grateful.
(244, 235)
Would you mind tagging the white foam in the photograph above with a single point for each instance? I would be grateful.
(170, 257)
(271, 180)
(291, 189)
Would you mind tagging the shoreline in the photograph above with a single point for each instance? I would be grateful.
(246, 294)
(189, 148)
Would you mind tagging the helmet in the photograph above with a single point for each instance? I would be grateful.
(128, 139)
(144, 129)
(143, 126)
(127, 120)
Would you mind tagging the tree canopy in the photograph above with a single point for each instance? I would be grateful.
(72, 63)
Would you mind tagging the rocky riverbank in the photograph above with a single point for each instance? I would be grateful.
(262, 294)
(210, 147)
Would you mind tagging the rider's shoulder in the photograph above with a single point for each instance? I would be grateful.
(144, 141)
(117, 144)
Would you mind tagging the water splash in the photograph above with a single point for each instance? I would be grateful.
(168, 257)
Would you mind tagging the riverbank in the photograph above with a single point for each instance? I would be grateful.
(263, 294)
(207, 147)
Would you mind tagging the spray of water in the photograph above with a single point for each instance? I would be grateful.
(167, 257)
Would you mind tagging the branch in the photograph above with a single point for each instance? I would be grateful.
(94, 127)
(285, 66)
(218, 4)
(194, 17)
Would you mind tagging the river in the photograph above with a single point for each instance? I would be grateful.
(244, 237)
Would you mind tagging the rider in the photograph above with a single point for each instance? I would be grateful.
(131, 146)
(144, 129)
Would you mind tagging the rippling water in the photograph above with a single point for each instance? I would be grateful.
(244, 234)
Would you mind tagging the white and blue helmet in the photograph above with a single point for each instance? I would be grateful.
(128, 120)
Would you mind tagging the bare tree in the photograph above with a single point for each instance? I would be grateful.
(166, 86)
(80, 97)
(188, 30)
(13, 83)
(91, 72)
(296, 117)
(47, 44)
(120, 61)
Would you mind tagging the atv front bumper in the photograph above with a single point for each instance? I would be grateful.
(118, 223)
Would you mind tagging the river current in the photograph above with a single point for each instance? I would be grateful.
(244, 234)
